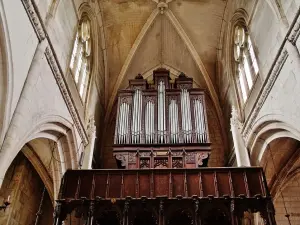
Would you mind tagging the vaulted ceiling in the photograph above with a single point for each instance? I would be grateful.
(181, 35)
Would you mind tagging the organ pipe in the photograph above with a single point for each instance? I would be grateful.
(199, 121)
(186, 116)
(122, 125)
(131, 118)
(137, 117)
(173, 121)
(149, 122)
(161, 112)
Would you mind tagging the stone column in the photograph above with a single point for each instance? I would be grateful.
(89, 150)
(240, 149)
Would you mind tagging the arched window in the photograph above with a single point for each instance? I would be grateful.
(80, 64)
(246, 63)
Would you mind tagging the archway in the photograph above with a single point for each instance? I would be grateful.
(28, 195)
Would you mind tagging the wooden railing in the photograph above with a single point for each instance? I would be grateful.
(169, 183)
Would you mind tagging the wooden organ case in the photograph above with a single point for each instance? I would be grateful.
(161, 125)
(162, 147)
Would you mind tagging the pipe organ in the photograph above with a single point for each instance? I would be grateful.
(157, 121)
(161, 132)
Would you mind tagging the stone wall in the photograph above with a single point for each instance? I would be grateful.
(25, 188)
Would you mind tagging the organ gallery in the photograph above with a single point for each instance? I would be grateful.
(162, 148)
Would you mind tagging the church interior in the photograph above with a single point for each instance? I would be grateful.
(149, 112)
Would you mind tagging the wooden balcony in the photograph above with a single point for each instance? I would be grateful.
(203, 196)
(170, 183)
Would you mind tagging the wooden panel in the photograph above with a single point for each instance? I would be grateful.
(71, 185)
(161, 184)
(238, 183)
(129, 185)
(178, 184)
(144, 187)
(208, 183)
(193, 184)
(254, 183)
(100, 185)
(223, 184)
(86, 182)
(115, 185)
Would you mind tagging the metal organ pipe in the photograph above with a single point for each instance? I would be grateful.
(202, 121)
(173, 121)
(126, 122)
(186, 116)
(189, 116)
(149, 122)
(161, 112)
(122, 126)
(137, 117)
(199, 121)
(152, 122)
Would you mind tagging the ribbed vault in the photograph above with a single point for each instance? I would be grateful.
(141, 35)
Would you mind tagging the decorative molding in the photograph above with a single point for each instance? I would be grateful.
(190, 158)
(265, 92)
(123, 158)
(295, 33)
(41, 33)
(66, 95)
(200, 157)
(34, 18)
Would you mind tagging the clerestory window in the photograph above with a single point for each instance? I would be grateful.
(246, 63)
(80, 64)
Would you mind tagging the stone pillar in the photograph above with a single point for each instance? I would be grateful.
(240, 149)
(89, 150)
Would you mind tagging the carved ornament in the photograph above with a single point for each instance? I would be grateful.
(201, 156)
(34, 18)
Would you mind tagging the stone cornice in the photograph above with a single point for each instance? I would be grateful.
(41, 33)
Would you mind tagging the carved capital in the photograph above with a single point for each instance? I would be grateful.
(91, 126)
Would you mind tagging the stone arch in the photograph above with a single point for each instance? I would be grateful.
(275, 145)
(56, 129)
(264, 133)
(6, 71)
